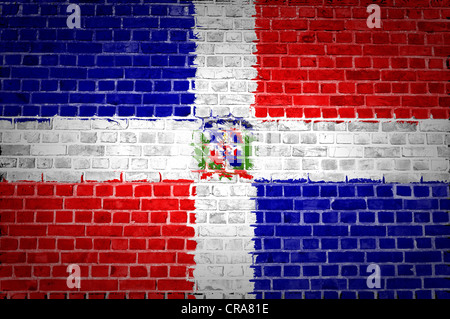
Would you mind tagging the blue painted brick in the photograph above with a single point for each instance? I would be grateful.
(423, 294)
(347, 191)
(273, 217)
(328, 191)
(403, 283)
(310, 271)
(308, 257)
(405, 243)
(444, 204)
(386, 243)
(291, 244)
(310, 191)
(348, 270)
(348, 204)
(292, 230)
(421, 217)
(423, 242)
(421, 204)
(279, 204)
(437, 230)
(272, 243)
(334, 257)
(274, 190)
(291, 218)
(440, 217)
(365, 190)
(423, 256)
(329, 284)
(330, 270)
(386, 217)
(403, 217)
(311, 217)
(421, 191)
(319, 230)
(291, 271)
(330, 217)
(367, 243)
(388, 204)
(439, 191)
(348, 217)
(366, 295)
(366, 217)
(290, 284)
(368, 230)
(310, 243)
(329, 243)
(271, 271)
(385, 191)
(349, 243)
(307, 204)
(264, 231)
(406, 230)
(424, 270)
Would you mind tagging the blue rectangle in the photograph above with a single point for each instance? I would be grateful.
(324, 236)
(130, 41)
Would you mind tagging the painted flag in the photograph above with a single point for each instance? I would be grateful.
(217, 149)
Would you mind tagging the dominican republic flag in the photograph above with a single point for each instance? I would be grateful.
(224, 149)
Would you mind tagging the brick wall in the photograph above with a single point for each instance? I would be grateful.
(320, 59)
(129, 239)
(251, 126)
(317, 240)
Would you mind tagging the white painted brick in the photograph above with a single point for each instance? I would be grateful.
(45, 150)
(100, 163)
(11, 137)
(344, 151)
(108, 124)
(44, 163)
(419, 151)
(434, 126)
(101, 176)
(67, 176)
(71, 124)
(122, 150)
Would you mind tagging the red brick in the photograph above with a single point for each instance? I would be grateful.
(12, 257)
(102, 217)
(151, 258)
(312, 100)
(11, 203)
(25, 217)
(85, 190)
(83, 203)
(143, 191)
(28, 243)
(44, 216)
(177, 231)
(124, 190)
(159, 271)
(142, 231)
(121, 204)
(19, 285)
(116, 257)
(7, 243)
(160, 204)
(43, 258)
(64, 190)
(27, 230)
(363, 75)
(137, 284)
(43, 203)
(138, 271)
(306, 49)
(6, 189)
(175, 284)
(104, 230)
(289, 24)
(25, 189)
(104, 190)
(327, 75)
(65, 230)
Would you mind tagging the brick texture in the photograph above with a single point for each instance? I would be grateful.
(316, 240)
(319, 59)
(127, 238)
(126, 59)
